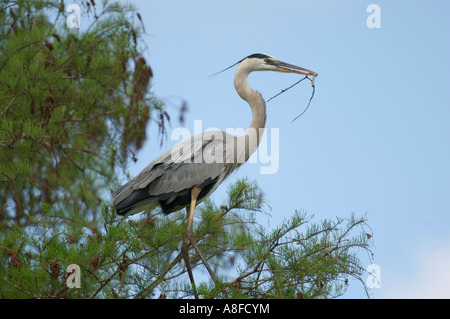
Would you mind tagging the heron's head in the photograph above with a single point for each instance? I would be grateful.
(265, 62)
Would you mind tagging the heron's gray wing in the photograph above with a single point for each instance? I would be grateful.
(150, 173)
(192, 162)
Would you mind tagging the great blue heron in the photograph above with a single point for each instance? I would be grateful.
(189, 172)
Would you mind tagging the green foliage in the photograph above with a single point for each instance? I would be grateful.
(74, 103)
(141, 257)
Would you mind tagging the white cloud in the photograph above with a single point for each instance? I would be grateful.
(428, 278)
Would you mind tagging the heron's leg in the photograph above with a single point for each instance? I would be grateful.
(190, 235)
(185, 254)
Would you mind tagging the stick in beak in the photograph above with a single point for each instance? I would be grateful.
(290, 68)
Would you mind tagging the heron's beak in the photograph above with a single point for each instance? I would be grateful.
(286, 67)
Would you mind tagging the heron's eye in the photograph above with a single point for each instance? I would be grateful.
(266, 60)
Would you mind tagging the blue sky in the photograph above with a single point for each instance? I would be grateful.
(375, 139)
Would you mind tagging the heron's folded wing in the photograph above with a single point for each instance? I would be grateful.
(179, 168)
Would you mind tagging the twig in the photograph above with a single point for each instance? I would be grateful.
(161, 276)
(312, 95)
(7, 107)
(284, 90)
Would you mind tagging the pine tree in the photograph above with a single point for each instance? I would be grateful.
(74, 104)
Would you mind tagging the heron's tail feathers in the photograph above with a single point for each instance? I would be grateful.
(128, 202)
(136, 208)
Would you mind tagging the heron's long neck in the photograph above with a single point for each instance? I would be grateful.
(252, 137)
